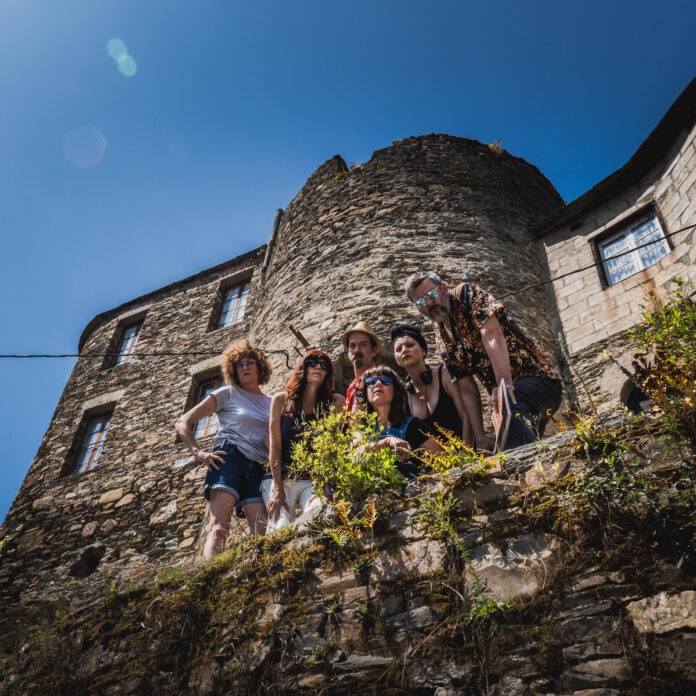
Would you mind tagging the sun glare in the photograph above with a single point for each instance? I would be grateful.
(119, 52)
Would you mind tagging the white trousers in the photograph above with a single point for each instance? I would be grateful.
(299, 493)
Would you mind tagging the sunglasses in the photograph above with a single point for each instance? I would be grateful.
(386, 380)
(249, 362)
(430, 295)
(313, 362)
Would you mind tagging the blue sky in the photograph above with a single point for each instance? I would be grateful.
(112, 185)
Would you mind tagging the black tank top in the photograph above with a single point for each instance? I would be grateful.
(445, 414)
(291, 430)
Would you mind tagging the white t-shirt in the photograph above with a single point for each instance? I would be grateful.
(243, 418)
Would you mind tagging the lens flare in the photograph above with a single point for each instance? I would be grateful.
(116, 49)
(127, 65)
(84, 146)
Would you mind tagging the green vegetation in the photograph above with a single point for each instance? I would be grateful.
(337, 457)
(665, 367)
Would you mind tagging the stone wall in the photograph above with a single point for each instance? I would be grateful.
(349, 239)
(592, 312)
(141, 506)
(574, 616)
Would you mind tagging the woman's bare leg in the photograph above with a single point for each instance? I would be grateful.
(221, 508)
(256, 517)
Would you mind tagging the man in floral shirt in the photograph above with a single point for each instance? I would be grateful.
(476, 337)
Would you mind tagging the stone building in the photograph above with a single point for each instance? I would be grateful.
(113, 496)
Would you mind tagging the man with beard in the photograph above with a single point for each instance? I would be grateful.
(362, 345)
(476, 337)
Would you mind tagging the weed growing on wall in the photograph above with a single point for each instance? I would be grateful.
(455, 454)
(336, 455)
(618, 497)
(666, 366)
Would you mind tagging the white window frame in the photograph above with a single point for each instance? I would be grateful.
(632, 257)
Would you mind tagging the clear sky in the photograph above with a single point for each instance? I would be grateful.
(127, 165)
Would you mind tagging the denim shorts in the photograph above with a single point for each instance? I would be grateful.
(237, 475)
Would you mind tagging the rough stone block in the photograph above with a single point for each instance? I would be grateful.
(663, 613)
(129, 498)
(495, 490)
(421, 558)
(359, 661)
(111, 496)
(522, 568)
(594, 673)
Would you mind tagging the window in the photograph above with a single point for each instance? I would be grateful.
(233, 304)
(129, 338)
(92, 443)
(640, 245)
(209, 424)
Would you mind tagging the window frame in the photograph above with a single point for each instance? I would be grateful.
(240, 302)
(115, 355)
(124, 351)
(240, 281)
(625, 230)
(198, 396)
(74, 462)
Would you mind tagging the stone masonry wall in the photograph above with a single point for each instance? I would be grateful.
(589, 311)
(349, 239)
(578, 619)
(141, 506)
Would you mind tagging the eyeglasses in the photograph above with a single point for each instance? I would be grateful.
(386, 380)
(313, 362)
(421, 301)
(249, 362)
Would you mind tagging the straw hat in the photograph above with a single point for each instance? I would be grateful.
(363, 327)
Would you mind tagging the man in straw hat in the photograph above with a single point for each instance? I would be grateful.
(362, 345)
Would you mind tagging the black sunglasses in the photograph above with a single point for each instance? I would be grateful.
(384, 379)
(313, 362)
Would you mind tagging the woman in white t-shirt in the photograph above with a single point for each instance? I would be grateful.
(237, 459)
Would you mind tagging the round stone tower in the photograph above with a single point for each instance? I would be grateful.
(350, 237)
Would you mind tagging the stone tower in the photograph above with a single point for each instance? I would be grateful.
(350, 237)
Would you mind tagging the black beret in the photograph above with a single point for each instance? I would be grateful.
(409, 330)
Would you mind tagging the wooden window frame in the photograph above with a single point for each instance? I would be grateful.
(211, 421)
(76, 463)
(126, 347)
(116, 355)
(223, 320)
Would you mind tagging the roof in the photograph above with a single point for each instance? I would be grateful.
(681, 116)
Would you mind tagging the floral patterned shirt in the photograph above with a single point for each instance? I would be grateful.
(470, 306)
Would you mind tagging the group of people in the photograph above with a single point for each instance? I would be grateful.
(249, 460)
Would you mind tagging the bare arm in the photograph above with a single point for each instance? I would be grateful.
(496, 349)
(471, 399)
(467, 429)
(275, 450)
(338, 401)
(184, 427)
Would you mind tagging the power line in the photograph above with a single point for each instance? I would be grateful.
(329, 345)
(136, 355)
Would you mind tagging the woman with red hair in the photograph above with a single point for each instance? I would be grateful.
(308, 393)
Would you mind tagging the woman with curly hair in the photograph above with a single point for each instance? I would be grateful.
(308, 393)
(237, 459)
(381, 391)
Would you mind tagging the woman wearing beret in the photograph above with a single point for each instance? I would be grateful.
(431, 394)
